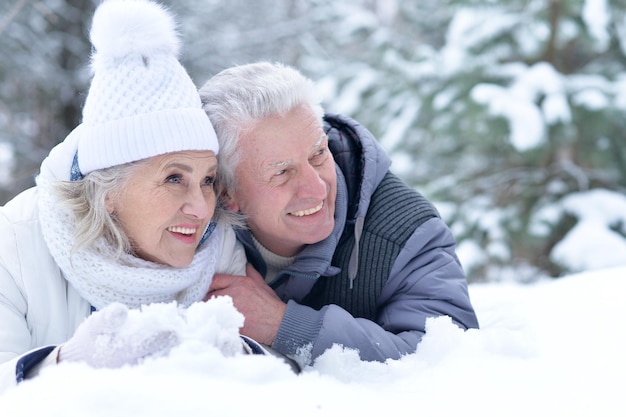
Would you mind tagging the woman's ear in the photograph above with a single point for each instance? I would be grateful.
(108, 202)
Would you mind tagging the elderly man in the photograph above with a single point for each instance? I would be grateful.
(342, 251)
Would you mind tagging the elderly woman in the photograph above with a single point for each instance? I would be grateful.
(123, 211)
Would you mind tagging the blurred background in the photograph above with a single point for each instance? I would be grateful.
(508, 115)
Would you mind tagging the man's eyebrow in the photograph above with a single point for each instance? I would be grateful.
(319, 141)
(280, 164)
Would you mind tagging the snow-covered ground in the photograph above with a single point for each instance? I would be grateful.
(552, 348)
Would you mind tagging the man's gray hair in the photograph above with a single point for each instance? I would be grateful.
(237, 98)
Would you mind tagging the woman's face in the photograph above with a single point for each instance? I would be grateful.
(166, 205)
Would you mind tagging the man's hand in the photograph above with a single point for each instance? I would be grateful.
(261, 307)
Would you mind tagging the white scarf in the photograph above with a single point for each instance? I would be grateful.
(131, 280)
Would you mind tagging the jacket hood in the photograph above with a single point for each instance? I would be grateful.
(360, 157)
(57, 166)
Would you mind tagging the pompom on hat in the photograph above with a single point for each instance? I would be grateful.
(141, 102)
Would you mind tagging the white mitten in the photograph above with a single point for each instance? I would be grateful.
(107, 339)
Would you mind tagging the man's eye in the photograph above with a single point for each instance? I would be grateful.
(319, 157)
(281, 172)
(174, 179)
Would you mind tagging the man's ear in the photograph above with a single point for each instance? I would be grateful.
(228, 201)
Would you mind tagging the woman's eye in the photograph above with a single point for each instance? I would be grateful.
(209, 181)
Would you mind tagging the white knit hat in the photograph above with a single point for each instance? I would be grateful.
(141, 102)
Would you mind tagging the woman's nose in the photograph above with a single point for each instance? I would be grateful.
(199, 204)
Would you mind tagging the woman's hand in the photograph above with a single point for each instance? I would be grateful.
(105, 340)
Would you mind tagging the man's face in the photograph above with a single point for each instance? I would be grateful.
(287, 183)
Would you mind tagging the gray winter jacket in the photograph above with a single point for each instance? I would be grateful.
(389, 264)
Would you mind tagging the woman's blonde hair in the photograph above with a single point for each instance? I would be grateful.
(86, 198)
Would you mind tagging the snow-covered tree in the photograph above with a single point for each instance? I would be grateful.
(504, 113)
(43, 69)
(497, 110)
(44, 62)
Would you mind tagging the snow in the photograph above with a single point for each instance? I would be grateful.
(6, 163)
(471, 254)
(596, 15)
(353, 91)
(553, 347)
(591, 99)
(597, 240)
(550, 348)
(516, 103)
(594, 242)
(467, 30)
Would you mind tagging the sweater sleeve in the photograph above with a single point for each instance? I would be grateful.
(426, 280)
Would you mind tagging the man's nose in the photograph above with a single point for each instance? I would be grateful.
(311, 184)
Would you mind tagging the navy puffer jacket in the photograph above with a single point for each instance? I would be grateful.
(389, 264)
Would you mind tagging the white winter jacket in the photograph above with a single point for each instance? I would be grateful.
(38, 307)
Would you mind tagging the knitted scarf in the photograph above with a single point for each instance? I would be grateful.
(130, 280)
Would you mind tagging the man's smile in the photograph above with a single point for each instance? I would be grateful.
(307, 212)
